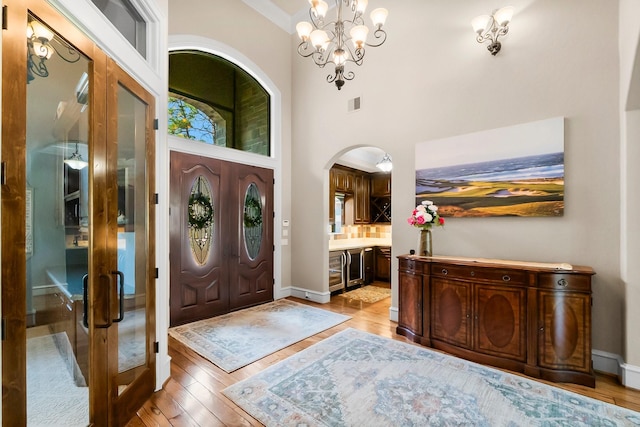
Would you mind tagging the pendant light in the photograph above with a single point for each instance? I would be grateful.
(76, 161)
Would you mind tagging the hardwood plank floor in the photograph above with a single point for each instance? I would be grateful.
(193, 394)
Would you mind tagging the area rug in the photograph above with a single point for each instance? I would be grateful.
(368, 294)
(53, 399)
(237, 339)
(354, 378)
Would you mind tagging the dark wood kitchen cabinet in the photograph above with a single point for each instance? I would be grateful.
(526, 317)
(362, 212)
(383, 263)
(381, 185)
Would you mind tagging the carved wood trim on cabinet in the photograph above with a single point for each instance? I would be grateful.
(524, 317)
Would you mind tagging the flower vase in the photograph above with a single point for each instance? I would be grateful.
(425, 247)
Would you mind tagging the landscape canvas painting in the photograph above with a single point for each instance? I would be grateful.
(512, 171)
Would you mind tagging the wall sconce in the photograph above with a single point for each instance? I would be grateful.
(40, 48)
(385, 164)
(490, 28)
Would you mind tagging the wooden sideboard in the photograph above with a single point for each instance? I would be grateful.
(533, 318)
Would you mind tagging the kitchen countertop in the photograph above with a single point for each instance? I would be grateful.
(341, 244)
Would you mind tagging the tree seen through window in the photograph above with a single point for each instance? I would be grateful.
(188, 121)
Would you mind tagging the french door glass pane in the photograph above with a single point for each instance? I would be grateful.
(57, 229)
(132, 226)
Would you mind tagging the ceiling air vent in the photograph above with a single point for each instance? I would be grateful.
(354, 104)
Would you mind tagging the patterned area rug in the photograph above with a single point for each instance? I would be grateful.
(236, 339)
(355, 378)
(53, 398)
(367, 294)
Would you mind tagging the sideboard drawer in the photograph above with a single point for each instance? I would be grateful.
(411, 265)
(468, 272)
(564, 281)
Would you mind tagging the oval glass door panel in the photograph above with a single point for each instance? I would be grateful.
(57, 229)
(200, 219)
(252, 221)
(132, 226)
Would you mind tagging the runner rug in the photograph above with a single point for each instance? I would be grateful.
(237, 339)
(368, 294)
(354, 378)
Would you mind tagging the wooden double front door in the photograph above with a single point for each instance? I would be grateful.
(221, 232)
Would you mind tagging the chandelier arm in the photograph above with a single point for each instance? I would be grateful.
(37, 66)
(355, 55)
(73, 54)
(380, 35)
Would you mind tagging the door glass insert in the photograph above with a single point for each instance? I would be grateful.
(132, 237)
(57, 229)
(200, 217)
(252, 221)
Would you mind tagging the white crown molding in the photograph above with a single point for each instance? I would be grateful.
(272, 13)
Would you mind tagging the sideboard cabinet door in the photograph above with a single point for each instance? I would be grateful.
(565, 331)
(451, 311)
(501, 321)
(410, 302)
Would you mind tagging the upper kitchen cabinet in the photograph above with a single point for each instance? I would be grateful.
(362, 211)
(355, 186)
(342, 179)
(380, 185)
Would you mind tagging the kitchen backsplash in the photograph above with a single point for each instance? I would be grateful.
(363, 231)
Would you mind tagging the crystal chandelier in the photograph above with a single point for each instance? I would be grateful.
(328, 41)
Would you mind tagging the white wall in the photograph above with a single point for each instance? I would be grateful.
(432, 80)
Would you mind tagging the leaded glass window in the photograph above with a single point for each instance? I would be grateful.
(252, 220)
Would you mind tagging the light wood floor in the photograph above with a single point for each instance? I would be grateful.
(193, 394)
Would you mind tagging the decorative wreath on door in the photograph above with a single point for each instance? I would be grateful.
(200, 211)
(252, 213)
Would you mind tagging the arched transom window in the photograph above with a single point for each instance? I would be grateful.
(214, 101)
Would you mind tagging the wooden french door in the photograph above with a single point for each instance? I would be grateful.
(77, 227)
(221, 233)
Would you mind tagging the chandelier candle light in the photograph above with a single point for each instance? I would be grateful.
(425, 216)
(328, 41)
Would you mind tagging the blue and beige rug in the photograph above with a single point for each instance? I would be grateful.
(237, 339)
(354, 378)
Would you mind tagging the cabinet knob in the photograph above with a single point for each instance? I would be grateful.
(562, 282)
(473, 273)
(444, 271)
(541, 328)
(468, 316)
(506, 278)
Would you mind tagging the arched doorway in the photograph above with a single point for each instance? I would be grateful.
(360, 220)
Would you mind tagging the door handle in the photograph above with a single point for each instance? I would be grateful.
(120, 275)
(85, 302)
(107, 305)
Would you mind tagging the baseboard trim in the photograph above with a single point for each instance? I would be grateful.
(393, 314)
(630, 376)
(611, 363)
(607, 362)
(319, 297)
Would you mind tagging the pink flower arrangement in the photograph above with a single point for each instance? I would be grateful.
(425, 215)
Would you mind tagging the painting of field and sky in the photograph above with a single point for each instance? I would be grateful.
(511, 171)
